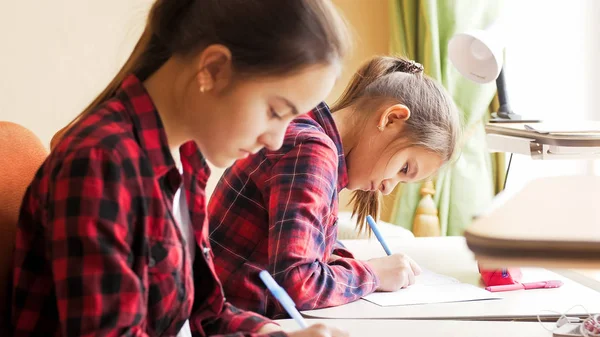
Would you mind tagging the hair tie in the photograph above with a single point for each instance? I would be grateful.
(414, 67)
(407, 66)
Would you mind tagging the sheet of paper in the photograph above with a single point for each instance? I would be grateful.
(432, 288)
(429, 278)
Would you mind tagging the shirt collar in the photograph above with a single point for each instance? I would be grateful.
(150, 132)
(322, 115)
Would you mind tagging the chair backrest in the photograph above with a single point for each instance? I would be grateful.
(21, 154)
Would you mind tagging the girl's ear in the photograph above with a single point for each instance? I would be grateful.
(393, 114)
(214, 68)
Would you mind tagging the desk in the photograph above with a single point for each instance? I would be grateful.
(450, 256)
(550, 222)
(517, 138)
(413, 328)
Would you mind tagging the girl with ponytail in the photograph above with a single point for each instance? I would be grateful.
(278, 210)
(112, 237)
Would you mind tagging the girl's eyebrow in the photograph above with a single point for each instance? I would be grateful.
(290, 104)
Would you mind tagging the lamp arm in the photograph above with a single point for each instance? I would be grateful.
(505, 110)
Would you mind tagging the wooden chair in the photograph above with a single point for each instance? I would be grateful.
(21, 154)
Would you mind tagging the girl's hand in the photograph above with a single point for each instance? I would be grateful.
(395, 271)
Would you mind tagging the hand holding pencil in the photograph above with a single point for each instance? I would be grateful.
(395, 271)
(317, 330)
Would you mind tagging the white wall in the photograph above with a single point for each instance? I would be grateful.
(57, 55)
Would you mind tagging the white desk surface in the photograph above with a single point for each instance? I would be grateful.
(450, 256)
(414, 328)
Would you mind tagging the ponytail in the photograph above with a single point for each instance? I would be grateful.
(371, 71)
(365, 203)
(433, 123)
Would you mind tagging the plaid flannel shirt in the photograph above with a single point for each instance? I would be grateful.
(98, 252)
(277, 211)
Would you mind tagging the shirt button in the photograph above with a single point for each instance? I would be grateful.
(152, 262)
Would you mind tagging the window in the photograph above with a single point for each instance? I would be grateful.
(553, 73)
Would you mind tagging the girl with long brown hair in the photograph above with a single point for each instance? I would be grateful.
(112, 238)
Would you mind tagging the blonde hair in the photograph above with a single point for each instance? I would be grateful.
(433, 124)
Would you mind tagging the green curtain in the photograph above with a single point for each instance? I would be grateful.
(421, 30)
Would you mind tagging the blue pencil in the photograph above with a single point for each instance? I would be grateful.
(282, 296)
(375, 230)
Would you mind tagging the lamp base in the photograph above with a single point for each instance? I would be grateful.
(510, 118)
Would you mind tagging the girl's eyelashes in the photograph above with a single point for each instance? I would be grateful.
(405, 169)
(274, 113)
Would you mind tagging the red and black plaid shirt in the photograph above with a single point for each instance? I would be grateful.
(277, 211)
(98, 252)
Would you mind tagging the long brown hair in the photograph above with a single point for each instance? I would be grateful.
(433, 124)
(266, 37)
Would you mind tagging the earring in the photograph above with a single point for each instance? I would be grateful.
(204, 82)
(381, 128)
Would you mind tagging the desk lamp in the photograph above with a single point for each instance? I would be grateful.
(478, 56)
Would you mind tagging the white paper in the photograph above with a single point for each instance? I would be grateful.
(429, 278)
(432, 288)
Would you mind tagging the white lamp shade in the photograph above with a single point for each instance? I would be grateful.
(477, 55)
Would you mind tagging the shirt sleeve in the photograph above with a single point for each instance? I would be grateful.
(340, 250)
(232, 321)
(89, 240)
(301, 186)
